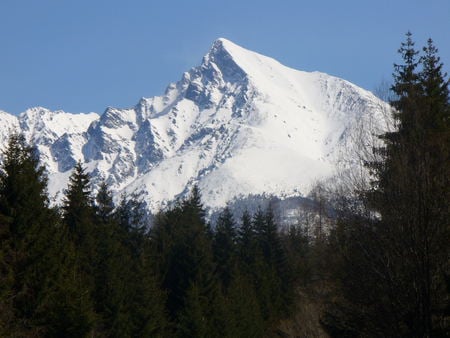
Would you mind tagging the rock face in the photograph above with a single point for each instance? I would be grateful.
(240, 123)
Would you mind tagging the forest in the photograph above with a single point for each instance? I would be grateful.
(365, 260)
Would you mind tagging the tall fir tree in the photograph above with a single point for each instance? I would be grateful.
(246, 241)
(24, 206)
(416, 169)
(34, 252)
(78, 214)
(224, 247)
(274, 286)
(145, 299)
(183, 250)
(104, 205)
(395, 256)
(77, 206)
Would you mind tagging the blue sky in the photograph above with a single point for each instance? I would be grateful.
(85, 55)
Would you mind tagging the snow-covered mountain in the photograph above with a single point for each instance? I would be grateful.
(240, 123)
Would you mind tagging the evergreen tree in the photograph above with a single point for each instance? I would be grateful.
(184, 251)
(416, 169)
(395, 256)
(24, 207)
(77, 207)
(298, 250)
(265, 267)
(78, 214)
(140, 308)
(434, 213)
(246, 242)
(111, 267)
(224, 246)
(244, 312)
(35, 268)
(104, 203)
(132, 218)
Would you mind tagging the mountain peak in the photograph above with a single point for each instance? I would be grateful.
(236, 62)
(226, 45)
(224, 56)
(223, 49)
(240, 123)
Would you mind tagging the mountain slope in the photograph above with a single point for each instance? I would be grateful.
(8, 124)
(240, 123)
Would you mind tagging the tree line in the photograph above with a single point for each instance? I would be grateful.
(92, 268)
(367, 262)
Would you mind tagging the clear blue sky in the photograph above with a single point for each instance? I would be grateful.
(85, 55)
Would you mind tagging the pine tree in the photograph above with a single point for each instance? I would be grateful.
(297, 244)
(184, 251)
(78, 214)
(395, 255)
(246, 242)
(147, 297)
(244, 312)
(128, 294)
(104, 205)
(110, 270)
(34, 252)
(224, 246)
(433, 225)
(416, 170)
(275, 285)
(77, 207)
(24, 206)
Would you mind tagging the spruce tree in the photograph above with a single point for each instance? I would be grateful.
(24, 206)
(183, 250)
(132, 303)
(244, 313)
(224, 246)
(77, 206)
(111, 266)
(104, 205)
(35, 268)
(275, 289)
(414, 171)
(434, 226)
(78, 214)
(395, 255)
(246, 242)
(146, 298)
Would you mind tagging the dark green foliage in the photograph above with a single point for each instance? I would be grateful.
(104, 205)
(245, 318)
(275, 287)
(221, 282)
(144, 296)
(184, 253)
(127, 296)
(224, 246)
(94, 269)
(34, 252)
(118, 283)
(78, 208)
(78, 216)
(394, 255)
(193, 320)
(246, 242)
(298, 250)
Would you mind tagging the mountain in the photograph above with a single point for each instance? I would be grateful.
(240, 123)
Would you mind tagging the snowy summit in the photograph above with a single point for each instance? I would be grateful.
(240, 123)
